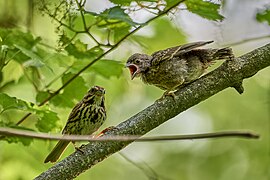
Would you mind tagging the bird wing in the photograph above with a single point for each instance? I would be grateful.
(72, 116)
(169, 53)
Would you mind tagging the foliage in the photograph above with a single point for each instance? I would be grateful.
(264, 16)
(205, 9)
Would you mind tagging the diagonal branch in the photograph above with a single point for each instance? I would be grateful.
(229, 74)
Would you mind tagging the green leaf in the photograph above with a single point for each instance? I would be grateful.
(47, 120)
(15, 36)
(24, 141)
(105, 68)
(205, 9)
(41, 96)
(108, 68)
(9, 72)
(119, 33)
(60, 60)
(122, 2)
(35, 61)
(11, 37)
(80, 51)
(263, 16)
(72, 93)
(7, 102)
(114, 17)
(117, 13)
(78, 24)
(170, 3)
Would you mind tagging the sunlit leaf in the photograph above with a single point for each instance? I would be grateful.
(264, 16)
(14, 71)
(113, 18)
(61, 60)
(122, 2)
(13, 38)
(7, 102)
(170, 3)
(205, 9)
(119, 33)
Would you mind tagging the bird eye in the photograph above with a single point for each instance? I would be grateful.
(137, 61)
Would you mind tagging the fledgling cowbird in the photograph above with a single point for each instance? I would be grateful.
(175, 67)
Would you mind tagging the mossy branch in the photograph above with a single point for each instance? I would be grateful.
(229, 74)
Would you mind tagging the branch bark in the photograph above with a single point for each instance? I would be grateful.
(229, 74)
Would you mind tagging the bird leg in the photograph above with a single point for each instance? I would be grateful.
(106, 130)
(169, 93)
(78, 148)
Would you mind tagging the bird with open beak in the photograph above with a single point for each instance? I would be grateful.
(175, 67)
(137, 64)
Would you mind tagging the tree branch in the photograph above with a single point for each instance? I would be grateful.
(229, 74)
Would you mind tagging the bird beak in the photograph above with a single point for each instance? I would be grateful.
(99, 90)
(133, 69)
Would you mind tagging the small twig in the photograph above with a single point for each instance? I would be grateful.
(23, 118)
(53, 16)
(86, 29)
(23, 133)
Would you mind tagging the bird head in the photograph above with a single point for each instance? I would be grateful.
(138, 63)
(97, 90)
(94, 95)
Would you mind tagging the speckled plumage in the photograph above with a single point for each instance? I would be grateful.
(174, 67)
(85, 118)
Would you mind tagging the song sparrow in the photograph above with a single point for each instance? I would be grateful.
(85, 118)
(177, 66)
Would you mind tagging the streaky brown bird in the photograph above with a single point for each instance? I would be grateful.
(85, 118)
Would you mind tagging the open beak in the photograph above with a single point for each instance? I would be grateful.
(133, 69)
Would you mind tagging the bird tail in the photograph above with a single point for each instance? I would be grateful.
(223, 54)
(57, 151)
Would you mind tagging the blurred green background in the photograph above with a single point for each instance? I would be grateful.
(188, 160)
